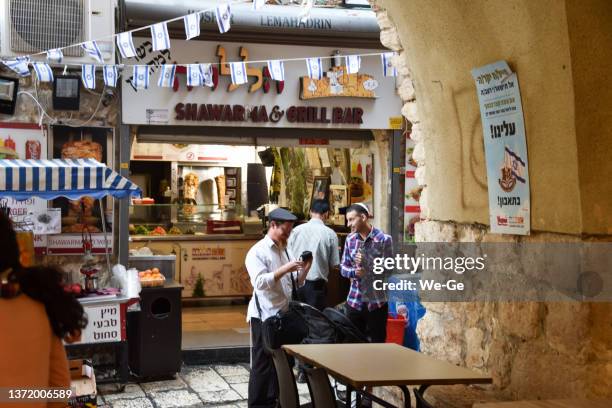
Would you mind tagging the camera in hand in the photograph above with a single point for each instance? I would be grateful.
(306, 256)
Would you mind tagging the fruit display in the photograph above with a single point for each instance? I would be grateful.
(76, 289)
(151, 277)
(141, 230)
(175, 231)
(158, 231)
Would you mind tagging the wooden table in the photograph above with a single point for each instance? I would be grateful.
(566, 403)
(382, 364)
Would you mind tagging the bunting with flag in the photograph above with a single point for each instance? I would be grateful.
(88, 76)
(353, 63)
(239, 74)
(19, 67)
(277, 70)
(110, 75)
(223, 13)
(194, 76)
(387, 67)
(92, 49)
(140, 78)
(315, 68)
(192, 25)
(166, 76)
(126, 45)
(257, 4)
(55, 55)
(206, 72)
(160, 36)
(43, 72)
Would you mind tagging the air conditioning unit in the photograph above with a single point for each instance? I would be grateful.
(32, 26)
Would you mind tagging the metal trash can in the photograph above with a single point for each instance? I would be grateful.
(154, 333)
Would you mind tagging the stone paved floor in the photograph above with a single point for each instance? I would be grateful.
(219, 385)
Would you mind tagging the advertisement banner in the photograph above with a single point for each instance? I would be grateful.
(503, 128)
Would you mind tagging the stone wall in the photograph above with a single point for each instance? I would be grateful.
(532, 350)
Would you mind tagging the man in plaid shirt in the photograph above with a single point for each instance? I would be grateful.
(366, 307)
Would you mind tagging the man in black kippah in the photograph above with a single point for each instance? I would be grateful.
(273, 271)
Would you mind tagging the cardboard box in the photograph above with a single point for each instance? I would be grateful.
(82, 383)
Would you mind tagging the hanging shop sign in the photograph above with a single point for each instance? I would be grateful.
(362, 100)
(72, 244)
(503, 127)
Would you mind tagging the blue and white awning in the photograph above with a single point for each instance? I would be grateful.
(49, 179)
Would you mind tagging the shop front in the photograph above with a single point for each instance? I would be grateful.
(212, 161)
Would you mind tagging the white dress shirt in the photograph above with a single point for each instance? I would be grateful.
(261, 261)
(322, 241)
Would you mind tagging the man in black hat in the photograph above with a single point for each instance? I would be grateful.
(273, 271)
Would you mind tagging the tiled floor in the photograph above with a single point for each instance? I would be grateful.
(215, 326)
(195, 386)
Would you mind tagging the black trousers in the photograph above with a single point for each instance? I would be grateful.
(263, 384)
(371, 323)
(314, 293)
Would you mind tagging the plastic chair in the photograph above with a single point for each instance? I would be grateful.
(420, 400)
(321, 393)
(288, 397)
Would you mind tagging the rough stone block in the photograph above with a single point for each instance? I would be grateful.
(521, 319)
(176, 398)
(410, 111)
(205, 380)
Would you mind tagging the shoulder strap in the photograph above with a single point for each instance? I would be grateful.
(294, 294)
(257, 304)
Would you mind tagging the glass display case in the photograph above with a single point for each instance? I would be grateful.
(185, 219)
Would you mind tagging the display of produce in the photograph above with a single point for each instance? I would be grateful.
(141, 230)
(158, 231)
(175, 231)
(151, 277)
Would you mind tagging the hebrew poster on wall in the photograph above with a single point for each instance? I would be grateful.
(505, 145)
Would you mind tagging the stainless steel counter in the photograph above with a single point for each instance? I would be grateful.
(206, 237)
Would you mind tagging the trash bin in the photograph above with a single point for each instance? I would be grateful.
(154, 333)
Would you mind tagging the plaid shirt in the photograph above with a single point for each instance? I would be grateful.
(377, 244)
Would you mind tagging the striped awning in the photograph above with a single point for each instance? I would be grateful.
(49, 179)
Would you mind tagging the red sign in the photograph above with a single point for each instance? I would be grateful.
(318, 142)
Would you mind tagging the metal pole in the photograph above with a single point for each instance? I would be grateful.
(108, 263)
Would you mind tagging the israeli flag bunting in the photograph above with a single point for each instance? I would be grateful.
(192, 25)
(110, 75)
(20, 67)
(43, 72)
(55, 55)
(387, 67)
(257, 4)
(126, 45)
(160, 37)
(206, 73)
(91, 48)
(166, 76)
(277, 70)
(140, 78)
(239, 74)
(353, 63)
(194, 76)
(88, 76)
(315, 68)
(224, 15)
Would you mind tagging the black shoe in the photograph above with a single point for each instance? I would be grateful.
(366, 402)
(301, 377)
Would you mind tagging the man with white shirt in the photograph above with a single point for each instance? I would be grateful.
(271, 267)
(322, 241)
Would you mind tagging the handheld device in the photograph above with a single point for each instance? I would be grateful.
(306, 256)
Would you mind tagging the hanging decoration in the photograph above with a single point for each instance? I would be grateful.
(140, 78)
(353, 63)
(88, 76)
(224, 16)
(239, 73)
(166, 76)
(160, 37)
(55, 55)
(43, 72)
(194, 76)
(277, 70)
(126, 45)
(192, 25)
(92, 49)
(315, 68)
(387, 67)
(206, 72)
(111, 75)
(257, 4)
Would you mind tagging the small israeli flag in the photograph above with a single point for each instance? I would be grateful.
(194, 76)
(110, 75)
(224, 15)
(206, 72)
(353, 63)
(315, 68)
(239, 74)
(91, 48)
(387, 67)
(160, 37)
(192, 25)
(257, 4)
(55, 55)
(166, 76)
(88, 76)
(277, 70)
(20, 67)
(43, 72)
(140, 78)
(126, 45)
